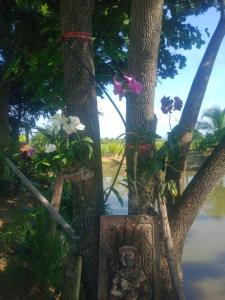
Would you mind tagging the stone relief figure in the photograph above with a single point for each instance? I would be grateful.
(130, 281)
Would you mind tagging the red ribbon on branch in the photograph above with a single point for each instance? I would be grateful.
(77, 35)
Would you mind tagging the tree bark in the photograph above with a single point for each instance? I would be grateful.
(4, 121)
(81, 101)
(146, 21)
(192, 107)
(185, 210)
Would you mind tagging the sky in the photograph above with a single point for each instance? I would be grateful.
(110, 123)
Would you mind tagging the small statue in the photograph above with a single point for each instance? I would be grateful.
(130, 282)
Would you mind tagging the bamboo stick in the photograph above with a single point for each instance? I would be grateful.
(53, 213)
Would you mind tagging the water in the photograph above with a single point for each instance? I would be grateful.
(204, 250)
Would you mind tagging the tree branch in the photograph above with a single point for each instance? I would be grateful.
(193, 104)
(222, 13)
(195, 97)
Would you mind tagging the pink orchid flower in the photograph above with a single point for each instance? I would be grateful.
(135, 86)
(118, 89)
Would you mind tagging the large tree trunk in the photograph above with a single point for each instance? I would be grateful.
(145, 32)
(146, 21)
(4, 121)
(81, 101)
(184, 212)
(183, 132)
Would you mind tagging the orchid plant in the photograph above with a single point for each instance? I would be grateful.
(128, 84)
(65, 148)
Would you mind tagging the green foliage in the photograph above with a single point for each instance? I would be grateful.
(159, 143)
(196, 140)
(118, 196)
(8, 180)
(32, 63)
(210, 141)
(39, 141)
(110, 147)
(112, 40)
(32, 253)
(170, 188)
(213, 128)
(214, 120)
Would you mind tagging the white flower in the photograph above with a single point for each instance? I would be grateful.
(56, 120)
(68, 129)
(63, 120)
(80, 127)
(75, 123)
(50, 148)
(74, 120)
(55, 123)
(54, 129)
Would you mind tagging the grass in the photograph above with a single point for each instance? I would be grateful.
(111, 147)
(32, 260)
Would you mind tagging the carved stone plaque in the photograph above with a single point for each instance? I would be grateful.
(129, 266)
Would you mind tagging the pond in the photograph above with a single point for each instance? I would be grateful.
(203, 261)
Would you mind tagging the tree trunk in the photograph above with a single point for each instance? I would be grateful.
(192, 107)
(4, 121)
(184, 212)
(15, 129)
(146, 21)
(82, 102)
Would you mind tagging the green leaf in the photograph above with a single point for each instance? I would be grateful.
(154, 166)
(13, 67)
(118, 196)
(87, 139)
(126, 22)
(64, 161)
(44, 10)
(172, 188)
(57, 156)
(45, 132)
(91, 151)
(41, 163)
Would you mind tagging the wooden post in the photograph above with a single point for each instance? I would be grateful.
(72, 277)
(56, 200)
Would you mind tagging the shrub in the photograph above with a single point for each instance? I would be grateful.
(33, 254)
